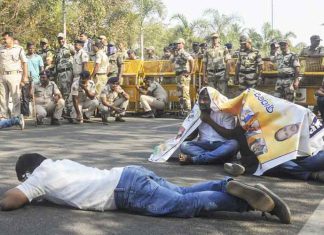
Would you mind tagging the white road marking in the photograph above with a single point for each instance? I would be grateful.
(315, 223)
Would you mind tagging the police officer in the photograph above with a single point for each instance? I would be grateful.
(314, 50)
(80, 58)
(113, 100)
(45, 51)
(184, 67)
(63, 62)
(13, 75)
(116, 61)
(150, 53)
(214, 69)
(83, 92)
(48, 100)
(249, 65)
(288, 72)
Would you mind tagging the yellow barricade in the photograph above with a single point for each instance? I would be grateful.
(89, 66)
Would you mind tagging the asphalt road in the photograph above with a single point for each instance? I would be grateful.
(120, 144)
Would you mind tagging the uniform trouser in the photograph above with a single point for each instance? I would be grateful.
(89, 106)
(25, 99)
(218, 81)
(10, 84)
(320, 103)
(120, 103)
(149, 102)
(64, 82)
(100, 81)
(184, 90)
(247, 80)
(4, 123)
(283, 89)
(50, 109)
(142, 191)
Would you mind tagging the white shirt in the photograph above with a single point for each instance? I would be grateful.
(66, 182)
(79, 58)
(11, 58)
(103, 61)
(207, 133)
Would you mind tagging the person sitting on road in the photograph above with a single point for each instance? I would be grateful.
(113, 100)
(153, 97)
(134, 189)
(83, 92)
(214, 144)
(320, 100)
(48, 100)
(14, 121)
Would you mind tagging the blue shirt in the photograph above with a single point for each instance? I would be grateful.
(35, 62)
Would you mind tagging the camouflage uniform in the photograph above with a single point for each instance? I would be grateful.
(249, 60)
(308, 51)
(214, 60)
(63, 62)
(181, 68)
(286, 64)
(115, 62)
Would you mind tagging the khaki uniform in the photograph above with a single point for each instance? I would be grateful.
(86, 105)
(44, 101)
(286, 64)
(10, 77)
(101, 77)
(181, 68)
(249, 60)
(115, 62)
(64, 66)
(308, 51)
(112, 98)
(156, 97)
(79, 58)
(214, 60)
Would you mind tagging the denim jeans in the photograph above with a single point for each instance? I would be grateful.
(299, 168)
(204, 152)
(142, 191)
(9, 122)
(320, 103)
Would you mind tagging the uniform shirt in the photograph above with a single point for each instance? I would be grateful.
(44, 95)
(45, 53)
(308, 51)
(10, 58)
(63, 58)
(102, 60)
(110, 95)
(157, 91)
(76, 90)
(35, 62)
(79, 58)
(181, 61)
(286, 63)
(215, 57)
(207, 133)
(66, 182)
(249, 60)
(152, 57)
(115, 62)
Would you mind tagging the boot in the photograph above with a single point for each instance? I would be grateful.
(119, 119)
(55, 122)
(148, 114)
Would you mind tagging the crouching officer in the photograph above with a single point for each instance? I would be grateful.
(83, 92)
(113, 100)
(48, 100)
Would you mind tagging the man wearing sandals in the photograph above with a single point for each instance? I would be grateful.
(133, 189)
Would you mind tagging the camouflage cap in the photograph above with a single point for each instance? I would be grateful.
(315, 38)
(181, 40)
(60, 35)
(78, 41)
(283, 41)
(274, 43)
(44, 40)
(214, 35)
(150, 48)
(244, 39)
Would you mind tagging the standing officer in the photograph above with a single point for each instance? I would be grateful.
(314, 50)
(249, 65)
(150, 53)
(45, 51)
(214, 69)
(184, 67)
(48, 100)
(80, 58)
(116, 62)
(12, 61)
(288, 72)
(63, 64)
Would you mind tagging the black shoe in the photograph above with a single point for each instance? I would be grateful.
(256, 198)
(55, 122)
(148, 114)
(119, 119)
(104, 119)
(281, 209)
(85, 118)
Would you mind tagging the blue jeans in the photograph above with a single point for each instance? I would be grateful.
(320, 103)
(204, 152)
(300, 168)
(142, 191)
(9, 122)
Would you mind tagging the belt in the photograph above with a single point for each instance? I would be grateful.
(216, 70)
(100, 73)
(286, 75)
(64, 70)
(11, 72)
(181, 72)
(247, 71)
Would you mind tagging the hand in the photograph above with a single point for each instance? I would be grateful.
(296, 84)
(56, 98)
(205, 117)
(204, 81)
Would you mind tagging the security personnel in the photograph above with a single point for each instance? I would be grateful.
(45, 51)
(48, 100)
(288, 72)
(314, 50)
(113, 100)
(116, 61)
(63, 62)
(184, 67)
(83, 92)
(274, 49)
(166, 53)
(13, 75)
(150, 54)
(80, 58)
(214, 69)
(249, 65)
(195, 50)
